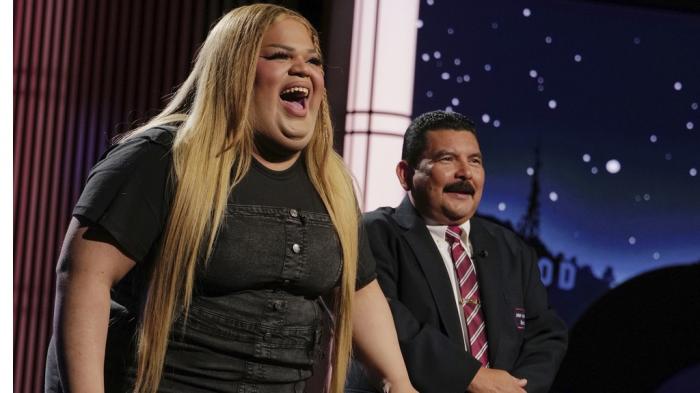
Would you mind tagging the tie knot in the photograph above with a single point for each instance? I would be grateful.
(453, 233)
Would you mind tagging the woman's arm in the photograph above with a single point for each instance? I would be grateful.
(375, 337)
(87, 269)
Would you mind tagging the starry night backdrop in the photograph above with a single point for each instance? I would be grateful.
(606, 98)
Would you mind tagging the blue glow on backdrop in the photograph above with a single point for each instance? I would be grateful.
(610, 94)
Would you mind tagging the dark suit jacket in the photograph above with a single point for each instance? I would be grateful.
(413, 277)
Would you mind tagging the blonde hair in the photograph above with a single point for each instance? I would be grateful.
(214, 136)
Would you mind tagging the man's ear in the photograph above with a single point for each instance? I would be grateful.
(405, 174)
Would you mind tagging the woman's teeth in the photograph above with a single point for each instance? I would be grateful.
(294, 93)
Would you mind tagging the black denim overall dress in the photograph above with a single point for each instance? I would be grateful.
(262, 337)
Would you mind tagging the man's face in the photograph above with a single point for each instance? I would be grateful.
(447, 184)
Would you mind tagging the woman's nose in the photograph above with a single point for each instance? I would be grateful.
(299, 67)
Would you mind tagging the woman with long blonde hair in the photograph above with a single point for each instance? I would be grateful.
(205, 242)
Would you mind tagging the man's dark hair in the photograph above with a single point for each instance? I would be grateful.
(414, 138)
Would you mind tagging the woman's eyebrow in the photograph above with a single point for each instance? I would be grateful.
(289, 48)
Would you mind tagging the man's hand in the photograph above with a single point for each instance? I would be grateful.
(489, 380)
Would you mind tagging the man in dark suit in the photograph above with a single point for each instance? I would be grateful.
(469, 307)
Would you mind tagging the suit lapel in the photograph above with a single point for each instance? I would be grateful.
(430, 261)
(487, 258)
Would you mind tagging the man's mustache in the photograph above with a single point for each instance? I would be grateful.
(460, 187)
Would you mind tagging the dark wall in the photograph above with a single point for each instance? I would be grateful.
(84, 71)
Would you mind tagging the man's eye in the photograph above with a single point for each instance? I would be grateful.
(446, 158)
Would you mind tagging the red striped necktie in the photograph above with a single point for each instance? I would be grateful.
(470, 299)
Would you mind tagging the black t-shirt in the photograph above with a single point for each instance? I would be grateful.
(128, 194)
(288, 188)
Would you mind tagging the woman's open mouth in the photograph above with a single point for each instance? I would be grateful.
(294, 100)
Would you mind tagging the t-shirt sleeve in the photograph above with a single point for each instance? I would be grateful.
(128, 193)
(366, 266)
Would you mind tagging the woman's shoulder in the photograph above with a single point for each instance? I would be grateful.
(128, 191)
(163, 135)
(148, 148)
